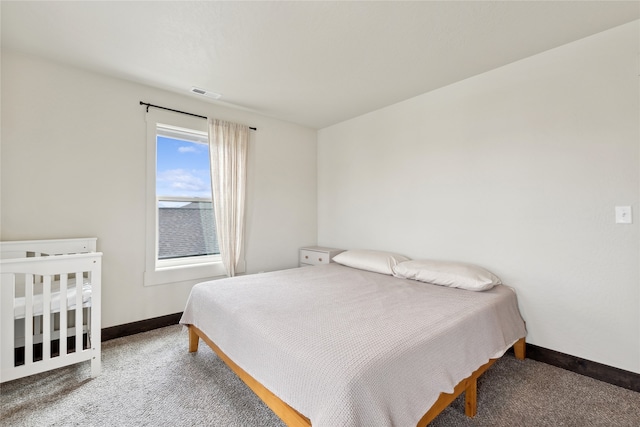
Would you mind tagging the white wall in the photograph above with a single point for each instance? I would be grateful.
(73, 165)
(518, 170)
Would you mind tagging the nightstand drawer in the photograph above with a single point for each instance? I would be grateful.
(316, 255)
(313, 257)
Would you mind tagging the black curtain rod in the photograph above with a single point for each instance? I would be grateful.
(177, 111)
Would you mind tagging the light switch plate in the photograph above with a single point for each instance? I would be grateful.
(623, 215)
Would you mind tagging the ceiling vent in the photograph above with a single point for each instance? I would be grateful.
(205, 93)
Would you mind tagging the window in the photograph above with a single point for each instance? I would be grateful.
(181, 234)
(186, 227)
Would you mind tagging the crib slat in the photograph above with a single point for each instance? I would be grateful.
(28, 320)
(63, 314)
(46, 318)
(78, 324)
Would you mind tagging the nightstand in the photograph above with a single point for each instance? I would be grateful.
(315, 255)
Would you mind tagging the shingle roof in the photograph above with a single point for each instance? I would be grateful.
(182, 231)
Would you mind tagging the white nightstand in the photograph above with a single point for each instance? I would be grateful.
(315, 255)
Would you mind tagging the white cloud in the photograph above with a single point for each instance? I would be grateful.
(184, 183)
(187, 149)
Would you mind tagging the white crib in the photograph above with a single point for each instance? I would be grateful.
(35, 315)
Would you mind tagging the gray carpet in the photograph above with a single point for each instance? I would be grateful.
(150, 379)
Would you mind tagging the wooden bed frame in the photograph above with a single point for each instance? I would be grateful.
(293, 418)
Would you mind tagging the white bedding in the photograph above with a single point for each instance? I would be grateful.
(19, 302)
(347, 347)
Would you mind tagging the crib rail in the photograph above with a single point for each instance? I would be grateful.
(40, 272)
(20, 249)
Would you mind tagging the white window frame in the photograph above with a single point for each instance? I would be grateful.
(159, 272)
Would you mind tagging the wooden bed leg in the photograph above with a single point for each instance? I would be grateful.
(471, 399)
(520, 349)
(194, 340)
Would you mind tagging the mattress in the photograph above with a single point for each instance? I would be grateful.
(350, 347)
(19, 302)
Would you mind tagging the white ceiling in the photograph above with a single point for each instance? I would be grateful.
(312, 63)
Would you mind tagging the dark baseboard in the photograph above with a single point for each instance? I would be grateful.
(140, 326)
(598, 371)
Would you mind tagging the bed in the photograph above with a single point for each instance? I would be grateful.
(50, 298)
(335, 345)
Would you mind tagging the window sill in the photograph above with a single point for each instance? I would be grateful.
(182, 273)
(193, 261)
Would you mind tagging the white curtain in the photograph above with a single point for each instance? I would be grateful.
(228, 151)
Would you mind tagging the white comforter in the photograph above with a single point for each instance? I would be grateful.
(348, 347)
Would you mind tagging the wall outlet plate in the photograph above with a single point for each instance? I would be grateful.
(623, 215)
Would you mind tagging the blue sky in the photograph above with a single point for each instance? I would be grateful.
(182, 168)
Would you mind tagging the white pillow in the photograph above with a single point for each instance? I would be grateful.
(448, 273)
(376, 261)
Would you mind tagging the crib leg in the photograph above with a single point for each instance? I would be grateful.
(96, 366)
(95, 339)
